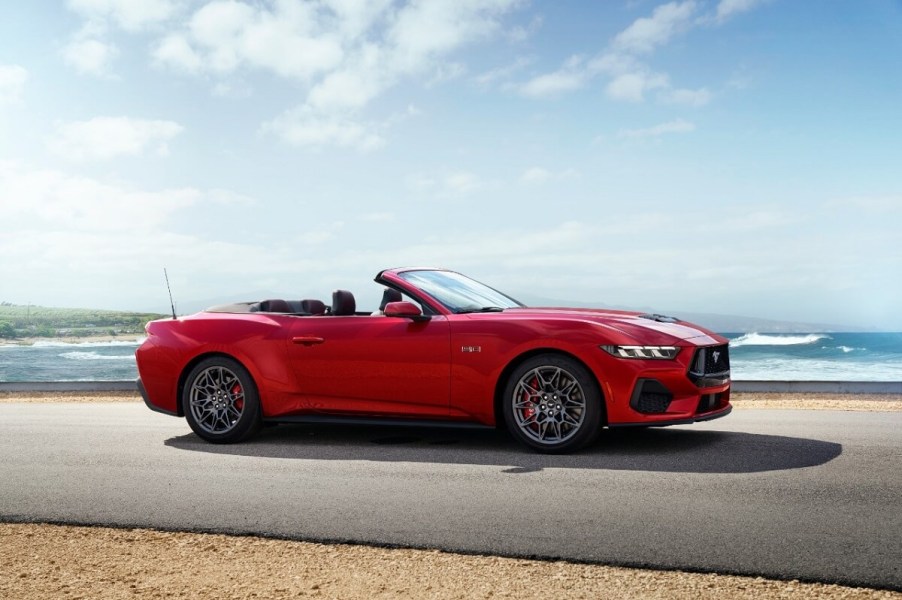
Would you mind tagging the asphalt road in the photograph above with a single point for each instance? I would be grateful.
(810, 495)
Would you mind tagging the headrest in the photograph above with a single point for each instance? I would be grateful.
(343, 303)
(314, 307)
(279, 306)
(389, 295)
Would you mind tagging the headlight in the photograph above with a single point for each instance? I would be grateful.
(644, 352)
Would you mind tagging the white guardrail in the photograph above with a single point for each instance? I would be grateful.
(809, 387)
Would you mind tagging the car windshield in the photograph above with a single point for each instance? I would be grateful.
(459, 293)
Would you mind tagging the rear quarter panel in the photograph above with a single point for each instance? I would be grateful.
(173, 346)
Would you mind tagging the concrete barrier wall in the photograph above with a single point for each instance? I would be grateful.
(820, 387)
(69, 386)
(810, 387)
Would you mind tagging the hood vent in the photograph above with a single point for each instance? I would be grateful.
(660, 318)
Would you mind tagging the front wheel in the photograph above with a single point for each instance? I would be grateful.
(220, 401)
(553, 404)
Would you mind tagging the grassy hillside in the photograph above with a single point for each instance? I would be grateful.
(41, 321)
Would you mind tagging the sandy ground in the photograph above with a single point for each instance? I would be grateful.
(40, 561)
(48, 561)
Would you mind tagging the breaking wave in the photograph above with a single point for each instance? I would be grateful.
(761, 339)
(107, 344)
(848, 349)
(94, 356)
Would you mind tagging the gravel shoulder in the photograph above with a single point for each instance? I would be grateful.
(50, 561)
(55, 561)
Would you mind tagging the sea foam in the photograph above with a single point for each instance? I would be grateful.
(94, 356)
(107, 344)
(761, 339)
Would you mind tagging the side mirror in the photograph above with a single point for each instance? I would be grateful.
(405, 309)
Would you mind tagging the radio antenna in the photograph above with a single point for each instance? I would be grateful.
(171, 303)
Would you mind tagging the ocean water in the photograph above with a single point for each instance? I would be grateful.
(753, 356)
(816, 356)
(62, 361)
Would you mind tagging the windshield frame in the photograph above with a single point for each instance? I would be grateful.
(458, 293)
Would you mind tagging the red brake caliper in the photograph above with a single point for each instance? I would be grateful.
(236, 390)
(527, 411)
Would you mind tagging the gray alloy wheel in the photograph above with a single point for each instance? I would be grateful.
(220, 401)
(552, 404)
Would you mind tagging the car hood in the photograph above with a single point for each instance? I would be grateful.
(639, 327)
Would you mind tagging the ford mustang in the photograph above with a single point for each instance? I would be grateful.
(441, 349)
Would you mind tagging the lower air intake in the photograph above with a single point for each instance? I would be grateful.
(650, 397)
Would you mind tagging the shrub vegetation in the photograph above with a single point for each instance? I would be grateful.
(40, 321)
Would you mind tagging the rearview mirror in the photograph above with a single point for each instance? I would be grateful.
(405, 309)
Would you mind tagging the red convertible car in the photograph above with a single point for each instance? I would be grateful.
(442, 348)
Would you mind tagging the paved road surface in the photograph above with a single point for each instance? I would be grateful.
(814, 495)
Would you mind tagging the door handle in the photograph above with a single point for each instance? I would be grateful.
(307, 340)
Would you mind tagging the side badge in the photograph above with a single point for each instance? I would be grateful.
(471, 348)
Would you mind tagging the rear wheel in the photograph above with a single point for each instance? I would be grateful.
(553, 404)
(220, 401)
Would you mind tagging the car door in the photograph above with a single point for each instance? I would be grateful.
(371, 365)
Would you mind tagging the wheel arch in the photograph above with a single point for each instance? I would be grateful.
(501, 382)
(183, 376)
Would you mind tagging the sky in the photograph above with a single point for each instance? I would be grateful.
(722, 156)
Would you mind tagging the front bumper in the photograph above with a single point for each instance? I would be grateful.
(683, 421)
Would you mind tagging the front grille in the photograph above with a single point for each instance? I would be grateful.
(710, 366)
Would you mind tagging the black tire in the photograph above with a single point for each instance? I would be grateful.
(221, 402)
(553, 404)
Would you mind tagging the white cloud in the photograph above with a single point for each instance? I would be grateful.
(631, 79)
(521, 33)
(447, 72)
(289, 39)
(868, 204)
(423, 31)
(131, 15)
(449, 184)
(535, 175)
(552, 84)
(728, 8)
(347, 52)
(503, 72)
(569, 77)
(631, 87)
(463, 182)
(377, 217)
(540, 175)
(675, 126)
(103, 138)
(90, 56)
(53, 199)
(12, 82)
(699, 97)
(354, 86)
(175, 51)
(647, 33)
(304, 126)
(613, 63)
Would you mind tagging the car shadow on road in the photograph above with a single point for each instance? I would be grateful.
(672, 450)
